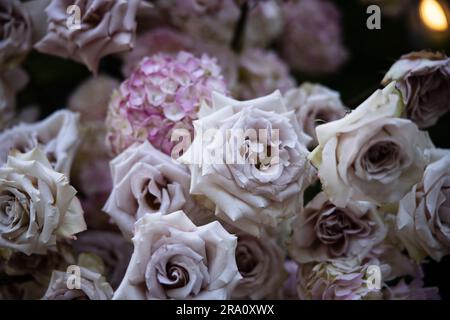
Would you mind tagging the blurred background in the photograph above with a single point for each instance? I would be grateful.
(406, 25)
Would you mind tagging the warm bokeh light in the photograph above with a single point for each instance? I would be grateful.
(433, 15)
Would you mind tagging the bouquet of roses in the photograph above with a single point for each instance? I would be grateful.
(207, 173)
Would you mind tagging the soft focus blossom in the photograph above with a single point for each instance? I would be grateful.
(423, 218)
(91, 98)
(323, 231)
(251, 188)
(93, 287)
(106, 27)
(145, 180)
(290, 285)
(261, 72)
(260, 263)
(15, 33)
(57, 136)
(311, 40)
(174, 259)
(424, 81)
(38, 205)
(158, 40)
(111, 247)
(11, 81)
(163, 93)
(370, 154)
(314, 104)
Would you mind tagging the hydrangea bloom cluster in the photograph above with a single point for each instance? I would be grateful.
(163, 93)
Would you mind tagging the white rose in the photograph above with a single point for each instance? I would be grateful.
(174, 259)
(370, 154)
(255, 180)
(57, 136)
(37, 204)
(145, 180)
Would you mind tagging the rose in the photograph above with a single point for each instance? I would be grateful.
(174, 259)
(56, 135)
(15, 33)
(37, 204)
(145, 180)
(314, 105)
(423, 218)
(424, 81)
(105, 27)
(323, 231)
(259, 261)
(111, 247)
(261, 72)
(252, 188)
(92, 287)
(311, 40)
(370, 154)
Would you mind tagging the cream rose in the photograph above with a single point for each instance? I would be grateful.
(423, 218)
(174, 259)
(37, 204)
(323, 231)
(314, 105)
(56, 135)
(145, 180)
(370, 154)
(247, 158)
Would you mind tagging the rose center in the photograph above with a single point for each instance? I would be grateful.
(245, 260)
(177, 275)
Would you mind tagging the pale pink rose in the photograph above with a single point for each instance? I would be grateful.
(106, 27)
(370, 154)
(423, 218)
(311, 40)
(260, 263)
(93, 287)
(174, 259)
(38, 204)
(252, 189)
(314, 105)
(260, 73)
(163, 93)
(322, 231)
(57, 136)
(424, 81)
(145, 180)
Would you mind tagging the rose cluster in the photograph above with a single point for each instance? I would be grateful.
(208, 173)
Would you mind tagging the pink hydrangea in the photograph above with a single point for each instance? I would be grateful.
(311, 41)
(163, 93)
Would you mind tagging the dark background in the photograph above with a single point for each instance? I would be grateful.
(372, 53)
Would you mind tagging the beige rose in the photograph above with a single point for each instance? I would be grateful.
(145, 180)
(424, 81)
(423, 218)
(370, 155)
(323, 231)
(174, 259)
(255, 182)
(57, 136)
(37, 204)
(314, 105)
